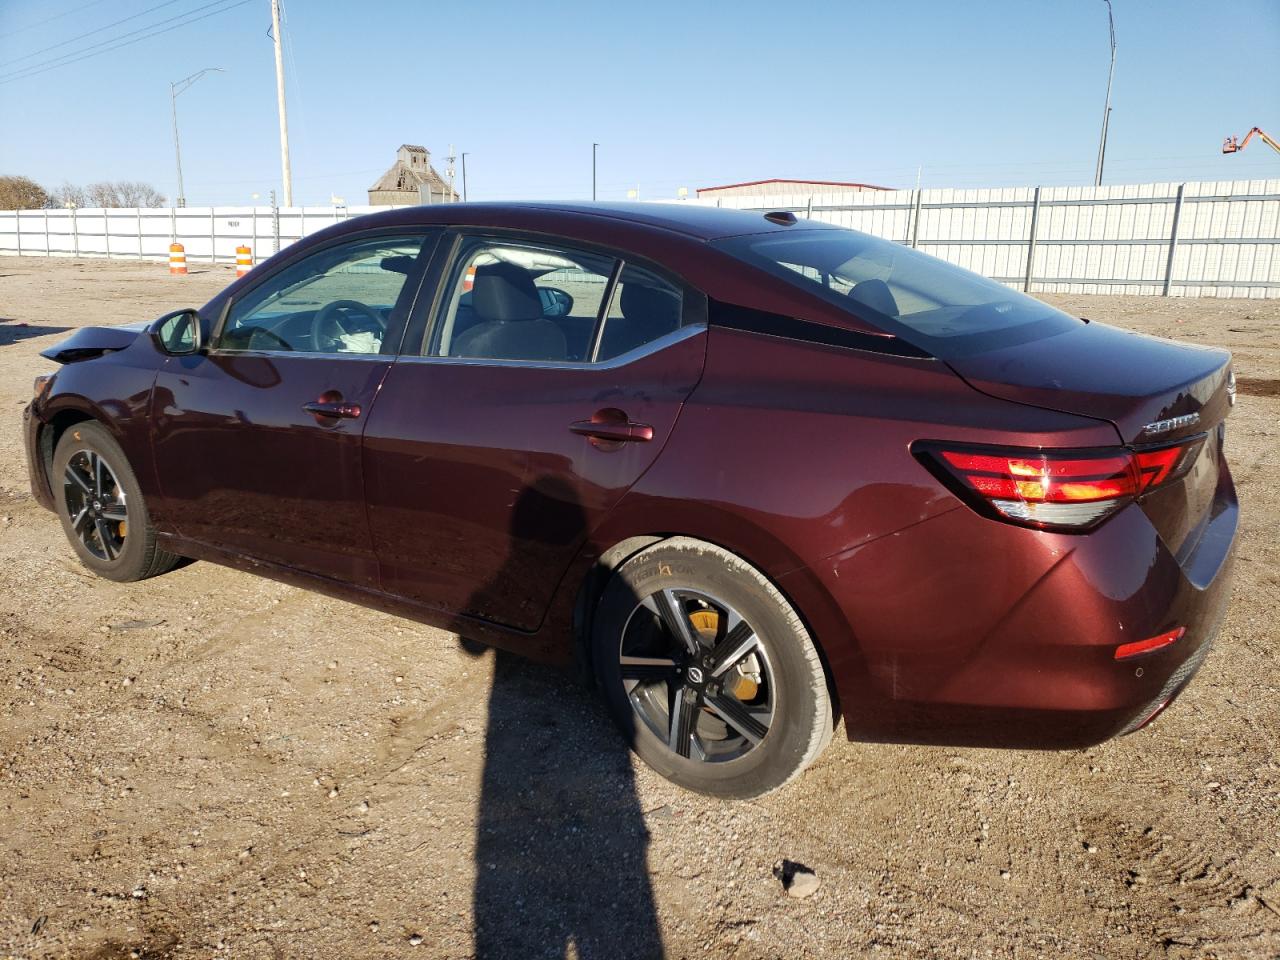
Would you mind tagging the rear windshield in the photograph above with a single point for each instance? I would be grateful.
(933, 304)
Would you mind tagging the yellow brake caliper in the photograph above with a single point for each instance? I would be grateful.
(707, 623)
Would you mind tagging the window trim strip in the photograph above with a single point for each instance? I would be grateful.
(606, 304)
(750, 320)
(622, 359)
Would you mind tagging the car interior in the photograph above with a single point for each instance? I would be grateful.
(514, 312)
(509, 303)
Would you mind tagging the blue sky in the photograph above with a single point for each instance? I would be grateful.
(1002, 92)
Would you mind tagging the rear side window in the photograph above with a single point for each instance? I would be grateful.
(532, 302)
(643, 308)
(930, 303)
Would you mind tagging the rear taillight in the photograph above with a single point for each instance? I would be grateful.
(1055, 489)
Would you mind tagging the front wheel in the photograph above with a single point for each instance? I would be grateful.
(101, 507)
(709, 671)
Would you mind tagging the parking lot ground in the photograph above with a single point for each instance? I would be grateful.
(213, 765)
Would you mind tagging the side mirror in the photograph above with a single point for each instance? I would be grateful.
(178, 334)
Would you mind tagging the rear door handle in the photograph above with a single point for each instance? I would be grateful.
(614, 431)
(332, 409)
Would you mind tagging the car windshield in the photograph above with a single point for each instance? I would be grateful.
(935, 305)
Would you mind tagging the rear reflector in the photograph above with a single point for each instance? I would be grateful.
(1127, 650)
(1055, 489)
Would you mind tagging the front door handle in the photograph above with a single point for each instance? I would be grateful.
(612, 426)
(330, 406)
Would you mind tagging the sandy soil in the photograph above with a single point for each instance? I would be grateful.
(209, 764)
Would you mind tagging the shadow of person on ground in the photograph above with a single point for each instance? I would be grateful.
(13, 331)
(561, 841)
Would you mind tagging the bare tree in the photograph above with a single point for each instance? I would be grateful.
(102, 194)
(68, 194)
(22, 193)
(123, 193)
(136, 193)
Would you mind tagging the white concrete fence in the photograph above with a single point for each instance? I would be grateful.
(209, 234)
(1205, 239)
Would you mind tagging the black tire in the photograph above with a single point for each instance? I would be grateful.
(116, 539)
(789, 686)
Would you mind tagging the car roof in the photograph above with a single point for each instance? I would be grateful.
(692, 220)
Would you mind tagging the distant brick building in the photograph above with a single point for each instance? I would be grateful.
(777, 188)
(412, 180)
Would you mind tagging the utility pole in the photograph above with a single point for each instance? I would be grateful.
(453, 196)
(1106, 113)
(284, 119)
(593, 170)
(181, 200)
(174, 90)
(464, 176)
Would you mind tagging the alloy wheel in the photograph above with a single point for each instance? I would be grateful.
(697, 675)
(95, 504)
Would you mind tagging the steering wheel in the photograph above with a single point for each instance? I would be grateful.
(327, 326)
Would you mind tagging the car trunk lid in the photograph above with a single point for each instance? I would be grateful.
(1154, 391)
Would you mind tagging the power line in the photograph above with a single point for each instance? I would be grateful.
(56, 16)
(73, 58)
(71, 55)
(90, 33)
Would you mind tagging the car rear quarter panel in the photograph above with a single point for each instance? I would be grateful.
(791, 454)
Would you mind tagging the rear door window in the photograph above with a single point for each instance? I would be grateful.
(644, 307)
(534, 302)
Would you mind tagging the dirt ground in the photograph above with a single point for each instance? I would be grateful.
(212, 765)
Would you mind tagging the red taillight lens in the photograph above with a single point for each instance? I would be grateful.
(1150, 645)
(1060, 489)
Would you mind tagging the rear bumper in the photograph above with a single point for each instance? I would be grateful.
(39, 479)
(972, 631)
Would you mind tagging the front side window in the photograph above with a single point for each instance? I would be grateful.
(938, 306)
(516, 301)
(340, 300)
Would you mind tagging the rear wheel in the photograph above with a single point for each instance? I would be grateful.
(101, 507)
(709, 671)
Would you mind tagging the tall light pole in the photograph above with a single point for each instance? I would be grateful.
(1106, 113)
(284, 119)
(464, 176)
(593, 170)
(174, 90)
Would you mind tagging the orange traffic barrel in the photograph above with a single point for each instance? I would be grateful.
(244, 260)
(469, 279)
(177, 260)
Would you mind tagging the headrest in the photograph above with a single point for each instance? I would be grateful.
(639, 302)
(504, 291)
(876, 295)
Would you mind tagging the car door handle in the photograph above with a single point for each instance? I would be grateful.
(332, 409)
(615, 431)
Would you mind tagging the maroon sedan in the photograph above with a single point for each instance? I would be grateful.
(754, 475)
